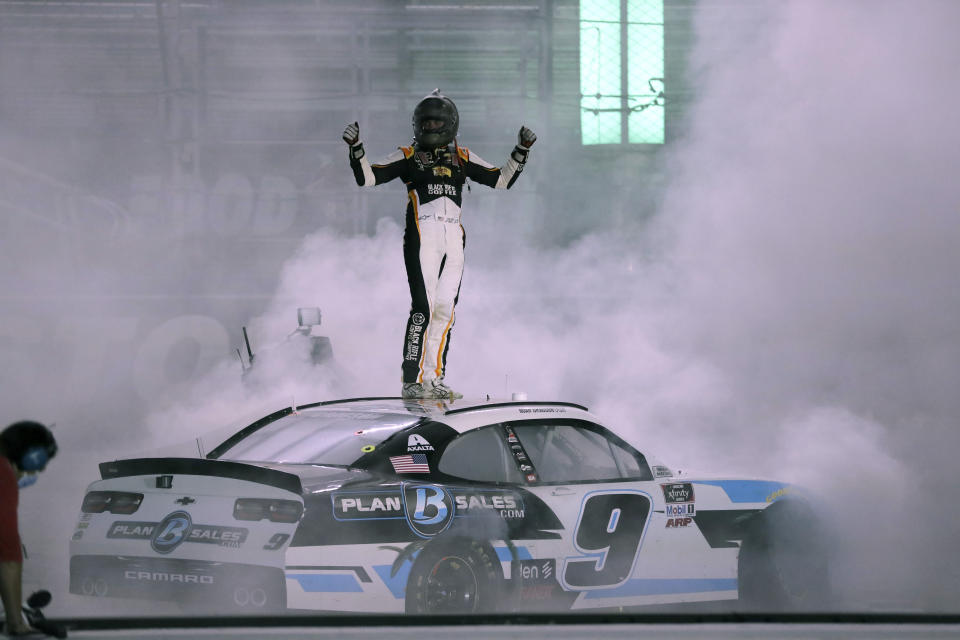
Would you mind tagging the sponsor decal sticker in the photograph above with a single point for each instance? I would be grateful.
(544, 410)
(679, 492)
(174, 530)
(356, 506)
(413, 341)
(411, 463)
(686, 509)
(518, 452)
(662, 472)
(538, 571)
(779, 493)
(171, 532)
(441, 189)
(678, 522)
(429, 509)
(505, 504)
(679, 506)
(418, 443)
(388, 504)
(132, 530)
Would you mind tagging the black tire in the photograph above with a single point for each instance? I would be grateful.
(454, 575)
(784, 562)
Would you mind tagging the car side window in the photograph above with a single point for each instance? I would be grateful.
(572, 453)
(629, 465)
(480, 455)
(565, 453)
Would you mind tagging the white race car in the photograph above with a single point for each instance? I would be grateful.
(384, 505)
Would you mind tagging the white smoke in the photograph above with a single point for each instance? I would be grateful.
(790, 312)
(800, 322)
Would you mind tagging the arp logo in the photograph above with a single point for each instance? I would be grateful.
(171, 531)
(429, 509)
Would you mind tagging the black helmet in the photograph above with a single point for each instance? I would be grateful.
(29, 445)
(435, 121)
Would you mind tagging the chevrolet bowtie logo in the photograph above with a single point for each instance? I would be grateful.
(185, 500)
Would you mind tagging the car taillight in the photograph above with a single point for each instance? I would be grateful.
(119, 502)
(273, 510)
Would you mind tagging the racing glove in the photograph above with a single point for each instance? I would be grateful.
(525, 140)
(351, 135)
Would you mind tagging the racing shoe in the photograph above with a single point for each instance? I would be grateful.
(440, 391)
(414, 391)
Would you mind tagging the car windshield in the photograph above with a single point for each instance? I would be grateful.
(319, 437)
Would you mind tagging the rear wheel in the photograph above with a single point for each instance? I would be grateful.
(455, 575)
(783, 563)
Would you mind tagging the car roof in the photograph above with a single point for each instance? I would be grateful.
(461, 415)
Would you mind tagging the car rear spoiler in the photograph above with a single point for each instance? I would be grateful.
(200, 467)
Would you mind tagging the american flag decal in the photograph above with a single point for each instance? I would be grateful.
(412, 463)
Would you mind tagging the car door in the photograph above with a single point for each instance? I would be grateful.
(602, 492)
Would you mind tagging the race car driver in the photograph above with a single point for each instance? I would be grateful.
(25, 449)
(434, 169)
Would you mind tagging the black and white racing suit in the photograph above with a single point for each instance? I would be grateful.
(433, 239)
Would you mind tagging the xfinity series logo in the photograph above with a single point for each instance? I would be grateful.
(171, 531)
(673, 493)
(429, 509)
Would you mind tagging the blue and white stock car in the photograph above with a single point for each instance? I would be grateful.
(384, 505)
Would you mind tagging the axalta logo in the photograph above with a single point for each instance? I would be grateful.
(171, 531)
(418, 443)
(429, 509)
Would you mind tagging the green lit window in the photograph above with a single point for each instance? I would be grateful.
(621, 71)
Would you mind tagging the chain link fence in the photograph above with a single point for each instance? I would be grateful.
(621, 72)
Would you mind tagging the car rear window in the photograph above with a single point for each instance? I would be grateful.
(319, 437)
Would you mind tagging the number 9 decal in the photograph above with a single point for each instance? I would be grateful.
(609, 532)
(276, 541)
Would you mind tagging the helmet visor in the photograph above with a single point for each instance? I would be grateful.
(433, 125)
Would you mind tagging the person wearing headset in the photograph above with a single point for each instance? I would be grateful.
(434, 169)
(25, 449)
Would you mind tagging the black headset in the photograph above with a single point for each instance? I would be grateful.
(29, 445)
(34, 459)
